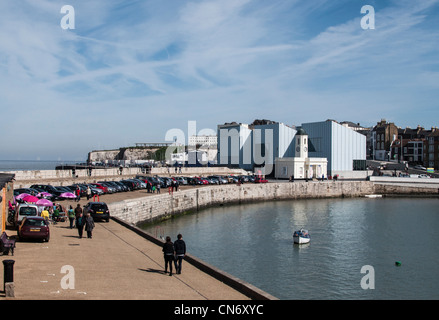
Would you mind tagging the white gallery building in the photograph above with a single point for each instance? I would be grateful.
(301, 166)
(320, 148)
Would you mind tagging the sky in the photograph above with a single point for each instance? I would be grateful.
(130, 71)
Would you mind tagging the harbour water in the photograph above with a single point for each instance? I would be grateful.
(18, 165)
(254, 243)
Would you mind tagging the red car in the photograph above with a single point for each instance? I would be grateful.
(100, 186)
(34, 227)
(201, 180)
(260, 180)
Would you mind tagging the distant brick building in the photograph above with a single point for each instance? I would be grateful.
(431, 149)
(383, 134)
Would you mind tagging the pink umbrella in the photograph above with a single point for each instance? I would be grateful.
(30, 198)
(44, 202)
(22, 195)
(67, 195)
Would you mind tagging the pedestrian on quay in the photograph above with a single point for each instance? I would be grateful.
(89, 225)
(80, 222)
(88, 192)
(168, 252)
(158, 187)
(45, 214)
(78, 194)
(78, 210)
(55, 215)
(71, 215)
(180, 253)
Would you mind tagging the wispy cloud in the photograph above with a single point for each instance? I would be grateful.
(131, 70)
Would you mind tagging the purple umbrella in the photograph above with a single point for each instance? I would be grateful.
(44, 202)
(67, 195)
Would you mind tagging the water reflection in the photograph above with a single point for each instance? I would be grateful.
(254, 242)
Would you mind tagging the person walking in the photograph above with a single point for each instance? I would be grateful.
(55, 215)
(180, 253)
(78, 210)
(89, 225)
(45, 214)
(168, 252)
(78, 194)
(88, 192)
(80, 222)
(71, 215)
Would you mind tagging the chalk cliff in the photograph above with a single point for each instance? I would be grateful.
(130, 153)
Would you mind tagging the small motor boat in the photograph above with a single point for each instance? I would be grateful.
(301, 236)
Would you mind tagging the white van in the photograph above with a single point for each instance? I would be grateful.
(26, 210)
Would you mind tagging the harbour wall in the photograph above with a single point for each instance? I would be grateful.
(162, 206)
(165, 205)
(26, 178)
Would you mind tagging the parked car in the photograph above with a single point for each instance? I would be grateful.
(191, 181)
(141, 184)
(260, 180)
(82, 189)
(420, 167)
(110, 188)
(35, 228)
(97, 210)
(99, 186)
(181, 180)
(220, 179)
(233, 179)
(94, 190)
(26, 210)
(213, 180)
(202, 181)
(47, 188)
(130, 184)
(32, 192)
(119, 187)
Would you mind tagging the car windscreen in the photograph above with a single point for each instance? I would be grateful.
(28, 211)
(35, 223)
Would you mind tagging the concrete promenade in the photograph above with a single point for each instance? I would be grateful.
(116, 263)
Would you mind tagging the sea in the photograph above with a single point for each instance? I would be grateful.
(19, 165)
(371, 249)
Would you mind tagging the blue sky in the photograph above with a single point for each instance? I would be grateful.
(132, 70)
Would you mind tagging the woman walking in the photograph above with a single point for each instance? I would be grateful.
(89, 225)
(168, 252)
(80, 222)
(71, 214)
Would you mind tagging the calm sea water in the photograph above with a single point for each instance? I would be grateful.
(254, 243)
(17, 165)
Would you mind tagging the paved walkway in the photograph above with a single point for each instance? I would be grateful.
(116, 264)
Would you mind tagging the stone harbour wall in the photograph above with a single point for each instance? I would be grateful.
(26, 178)
(164, 205)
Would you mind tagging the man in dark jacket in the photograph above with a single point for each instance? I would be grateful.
(168, 251)
(180, 252)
